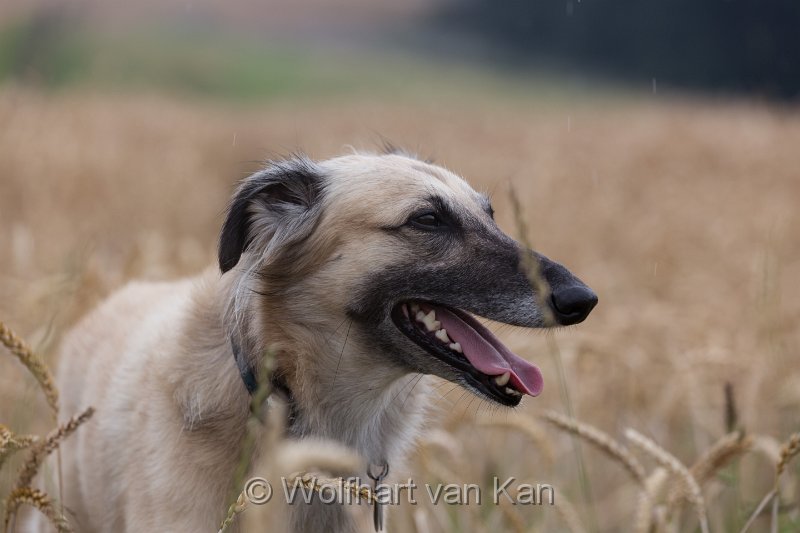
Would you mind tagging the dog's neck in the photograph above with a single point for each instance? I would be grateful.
(334, 391)
(349, 397)
(377, 414)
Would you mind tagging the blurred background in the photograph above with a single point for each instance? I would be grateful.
(653, 145)
(251, 49)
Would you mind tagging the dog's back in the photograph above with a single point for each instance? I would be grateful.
(104, 363)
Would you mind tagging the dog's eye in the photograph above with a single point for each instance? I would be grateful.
(427, 221)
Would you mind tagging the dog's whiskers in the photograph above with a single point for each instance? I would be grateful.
(339, 362)
(411, 391)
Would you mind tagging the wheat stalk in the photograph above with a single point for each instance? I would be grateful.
(671, 463)
(254, 424)
(760, 507)
(34, 364)
(789, 450)
(45, 447)
(39, 500)
(600, 440)
(10, 443)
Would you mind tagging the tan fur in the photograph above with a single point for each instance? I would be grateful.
(156, 363)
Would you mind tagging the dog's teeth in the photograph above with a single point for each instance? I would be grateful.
(420, 316)
(430, 321)
(503, 379)
(456, 347)
(415, 309)
(442, 336)
(513, 392)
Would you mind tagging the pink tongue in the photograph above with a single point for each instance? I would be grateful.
(487, 353)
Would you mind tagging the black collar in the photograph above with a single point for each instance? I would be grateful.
(246, 370)
(277, 382)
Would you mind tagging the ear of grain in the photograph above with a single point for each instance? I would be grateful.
(44, 448)
(719, 455)
(671, 463)
(34, 364)
(38, 499)
(317, 455)
(318, 483)
(789, 451)
(10, 443)
(731, 412)
(600, 440)
(235, 508)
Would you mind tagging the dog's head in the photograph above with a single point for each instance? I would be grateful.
(407, 252)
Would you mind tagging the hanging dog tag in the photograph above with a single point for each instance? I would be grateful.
(377, 516)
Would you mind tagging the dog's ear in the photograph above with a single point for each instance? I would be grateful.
(271, 208)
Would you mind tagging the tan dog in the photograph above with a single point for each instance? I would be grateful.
(355, 272)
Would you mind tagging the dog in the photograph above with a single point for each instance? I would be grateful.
(354, 273)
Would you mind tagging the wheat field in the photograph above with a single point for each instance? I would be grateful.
(682, 214)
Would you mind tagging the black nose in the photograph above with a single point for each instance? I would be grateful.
(572, 304)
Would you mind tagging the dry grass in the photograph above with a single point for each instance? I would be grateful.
(23, 492)
(48, 445)
(677, 469)
(10, 443)
(39, 500)
(681, 215)
(33, 363)
(789, 450)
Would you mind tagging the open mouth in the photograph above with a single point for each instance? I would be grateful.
(459, 340)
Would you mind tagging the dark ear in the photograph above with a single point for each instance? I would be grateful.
(271, 203)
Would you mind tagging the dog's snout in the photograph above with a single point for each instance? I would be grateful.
(570, 299)
(572, 305)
